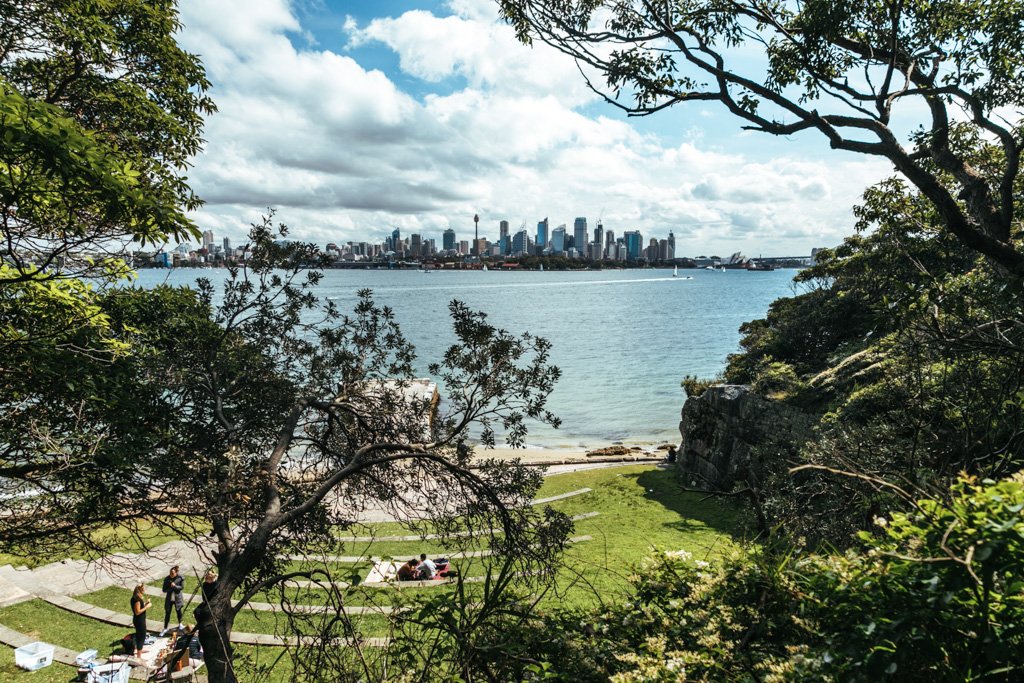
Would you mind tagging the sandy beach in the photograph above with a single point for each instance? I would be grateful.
(537, 454)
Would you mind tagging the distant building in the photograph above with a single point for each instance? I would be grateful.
(227, 247)
(448, 240)
(558, 240)
(464, 247)
(599, 242)
(503, 241)
(481, 246)
(579, 232)
(633, 241)
(671, 253)
(542, 233)
(520, 243)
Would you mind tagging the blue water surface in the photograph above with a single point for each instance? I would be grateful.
(623, 339)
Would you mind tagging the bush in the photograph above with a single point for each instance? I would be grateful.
(695, 386)
(933, 595)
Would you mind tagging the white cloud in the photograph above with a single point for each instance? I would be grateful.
(344, 153)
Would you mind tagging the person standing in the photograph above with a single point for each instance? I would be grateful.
(174, 584)
(139, 604)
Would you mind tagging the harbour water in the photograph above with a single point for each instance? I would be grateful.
(623, 339)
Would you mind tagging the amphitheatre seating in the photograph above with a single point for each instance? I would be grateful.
(431, 537)
(561, 496)
(14, 639)
(352, 559)
(123, 619)
(297, 608)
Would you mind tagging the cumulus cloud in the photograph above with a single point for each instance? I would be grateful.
(509, 132)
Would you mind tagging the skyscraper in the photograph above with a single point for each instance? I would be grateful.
(579, 233)
(503, 241)
(542, 233)
(448, 240)
(558, 240)
(520, 243)
(634, 244)
(670, 254)
(599, 242)
(208, 240)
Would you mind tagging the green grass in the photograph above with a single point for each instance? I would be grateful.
(56, 626)
(642, 509)
(144, 536)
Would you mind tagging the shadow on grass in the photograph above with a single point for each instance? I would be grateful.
(725, 515)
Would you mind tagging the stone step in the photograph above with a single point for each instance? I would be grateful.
(124, 620)
(11, 593)
(431, 537)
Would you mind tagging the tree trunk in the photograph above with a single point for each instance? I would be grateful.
(215, 623)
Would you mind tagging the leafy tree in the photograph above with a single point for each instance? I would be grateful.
(276, 420)
(847, 70)
(100, 111)
(908, 350)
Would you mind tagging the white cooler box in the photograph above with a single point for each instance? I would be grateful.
(116, 672)
(34, 656)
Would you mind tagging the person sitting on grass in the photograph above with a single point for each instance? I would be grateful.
(407, 572)
(427, 568)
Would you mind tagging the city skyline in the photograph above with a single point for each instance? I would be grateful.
(349, 116)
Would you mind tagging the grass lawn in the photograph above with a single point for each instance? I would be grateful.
(642, 510)
(146, 535)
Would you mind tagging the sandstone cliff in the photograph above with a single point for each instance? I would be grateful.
(722, 428)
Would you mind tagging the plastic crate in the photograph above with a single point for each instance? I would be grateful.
(116, 672)
(34, 656)
(85, 656)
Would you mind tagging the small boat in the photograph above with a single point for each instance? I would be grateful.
(675, 271)
(484, 268)
(542, 267)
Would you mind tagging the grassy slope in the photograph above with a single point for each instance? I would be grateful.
(642, 508)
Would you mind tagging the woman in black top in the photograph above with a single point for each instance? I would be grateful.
(173, 585)
(139, 605)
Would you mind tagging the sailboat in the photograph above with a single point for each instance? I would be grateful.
(675, 271)
(542, 267)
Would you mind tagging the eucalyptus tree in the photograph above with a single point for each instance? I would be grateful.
(274, 420)
(884, 78)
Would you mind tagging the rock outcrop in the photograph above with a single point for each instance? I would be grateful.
(721, 428)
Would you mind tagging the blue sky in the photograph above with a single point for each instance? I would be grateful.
(350, 118)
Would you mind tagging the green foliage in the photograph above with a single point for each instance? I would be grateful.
(933, 595)
(695, 386)
(100, 112)
(777, 380)
(842, 70)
